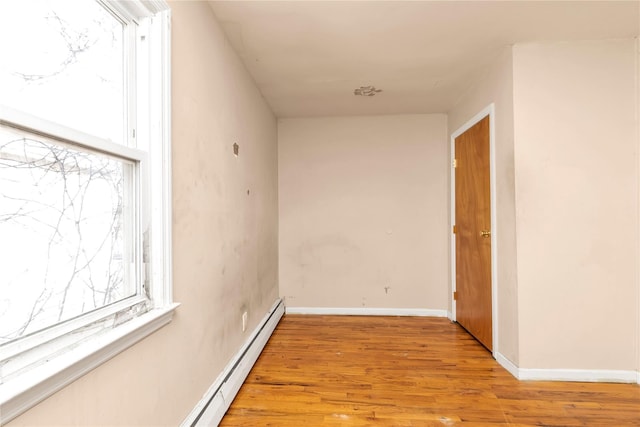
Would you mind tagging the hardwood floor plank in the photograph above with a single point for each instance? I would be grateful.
(407, 371)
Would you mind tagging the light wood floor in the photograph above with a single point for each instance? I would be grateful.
(403, 371)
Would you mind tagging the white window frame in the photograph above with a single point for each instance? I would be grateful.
(116, 328)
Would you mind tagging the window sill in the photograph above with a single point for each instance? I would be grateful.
(22, 393)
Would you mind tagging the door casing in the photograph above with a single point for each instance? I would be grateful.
(487, 111)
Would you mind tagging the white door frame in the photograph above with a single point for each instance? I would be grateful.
(487, 111)
(637, 46)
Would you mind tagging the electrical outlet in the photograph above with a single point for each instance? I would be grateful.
(244, 321)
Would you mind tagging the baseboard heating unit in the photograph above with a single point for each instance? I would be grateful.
(212, 407)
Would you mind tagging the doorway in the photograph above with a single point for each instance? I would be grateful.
(474, 304)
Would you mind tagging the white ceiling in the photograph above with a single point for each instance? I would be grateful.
(307, 57)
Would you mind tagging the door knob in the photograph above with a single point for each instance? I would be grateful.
(485, 233)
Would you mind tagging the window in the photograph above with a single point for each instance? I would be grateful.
(85, 254)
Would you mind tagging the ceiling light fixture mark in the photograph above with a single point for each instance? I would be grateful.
(366, 91)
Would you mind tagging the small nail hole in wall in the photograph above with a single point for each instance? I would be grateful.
(247, 192)
(236, 149)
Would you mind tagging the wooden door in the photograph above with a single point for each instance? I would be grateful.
(473, 232)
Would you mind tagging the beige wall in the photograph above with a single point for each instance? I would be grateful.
(225, 243)
(576, 152)
(363, 207)
(495, 85)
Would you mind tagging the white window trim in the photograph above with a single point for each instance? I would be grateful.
(28, 389)
(37, 384)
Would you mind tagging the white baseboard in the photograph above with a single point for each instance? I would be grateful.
(213, 405)
(367, 311)
(507, 364)
(580, 375)
(576, 375)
